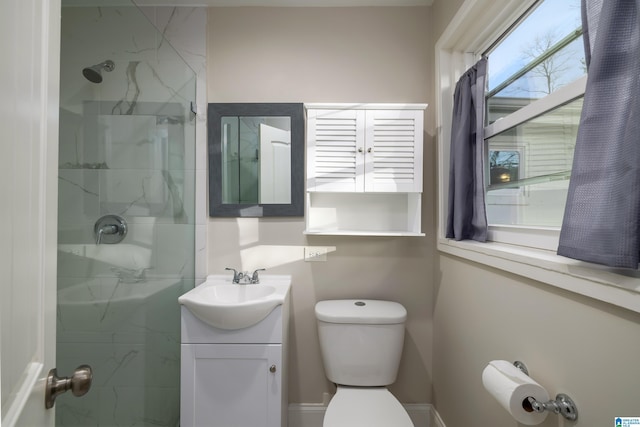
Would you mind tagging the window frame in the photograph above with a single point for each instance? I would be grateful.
(474, 27)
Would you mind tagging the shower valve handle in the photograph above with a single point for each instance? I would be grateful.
(110, 229)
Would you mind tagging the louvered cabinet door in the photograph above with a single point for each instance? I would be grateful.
(335, 145)
(393, 151)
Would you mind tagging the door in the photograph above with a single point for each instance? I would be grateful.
(335, 150)
(374, 150)
(231, 385)
(394, 151)
(29, 82)
(275, 165)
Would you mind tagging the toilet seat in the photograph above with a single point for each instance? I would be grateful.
(365, 407)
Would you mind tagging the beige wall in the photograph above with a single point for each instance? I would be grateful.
(571, 344)
(330, 55)
(443, 11)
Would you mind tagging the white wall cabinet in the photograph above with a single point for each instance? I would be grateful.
(364, 169)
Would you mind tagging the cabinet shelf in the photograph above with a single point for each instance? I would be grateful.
(363, 233)
(363, 214)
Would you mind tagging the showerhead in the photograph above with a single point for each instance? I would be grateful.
(94, 73)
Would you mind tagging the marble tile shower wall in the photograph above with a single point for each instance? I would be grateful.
(98, 176)
(186, 28)
(126, 147)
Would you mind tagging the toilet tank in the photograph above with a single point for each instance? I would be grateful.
(361, 340)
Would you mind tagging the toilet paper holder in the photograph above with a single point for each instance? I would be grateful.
(562, 405)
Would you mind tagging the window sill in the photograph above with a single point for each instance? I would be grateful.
(614, 286)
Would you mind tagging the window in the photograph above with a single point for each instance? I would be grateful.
(531, 153)
(534, 157)
(542, 54)
(504, 167)
(524, 198)
(504, 178)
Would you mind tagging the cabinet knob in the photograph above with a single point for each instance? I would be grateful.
(272, 368)
(369, 150)
(360, 150)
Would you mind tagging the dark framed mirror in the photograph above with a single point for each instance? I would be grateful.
(256, 159)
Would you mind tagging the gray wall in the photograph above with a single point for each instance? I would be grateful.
(380, 54)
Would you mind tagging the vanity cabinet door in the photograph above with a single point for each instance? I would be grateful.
(231, 385)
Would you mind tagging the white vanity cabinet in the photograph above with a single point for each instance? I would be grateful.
(364, 169)
(234, 378)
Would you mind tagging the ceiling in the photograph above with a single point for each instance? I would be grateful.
(291, 3)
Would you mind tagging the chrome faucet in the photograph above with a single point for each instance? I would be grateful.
(237, 275)
(253, 279)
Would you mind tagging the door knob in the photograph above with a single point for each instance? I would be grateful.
(79, 384)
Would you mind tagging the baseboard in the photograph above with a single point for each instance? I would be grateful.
(436, 421)
(306, 414)
(420, 413)
(311, 415)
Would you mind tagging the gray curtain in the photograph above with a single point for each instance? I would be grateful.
(602, 216)
(467, 213)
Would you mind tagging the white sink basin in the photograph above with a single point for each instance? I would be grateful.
(225, 305)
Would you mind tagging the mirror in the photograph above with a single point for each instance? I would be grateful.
(256, 159)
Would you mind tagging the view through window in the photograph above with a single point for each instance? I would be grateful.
(529, 163)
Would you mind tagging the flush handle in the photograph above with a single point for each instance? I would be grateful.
(79, 384)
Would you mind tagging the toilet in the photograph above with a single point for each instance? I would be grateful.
(361, 343)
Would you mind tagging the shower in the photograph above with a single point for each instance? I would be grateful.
(94, 73)
(117, 307)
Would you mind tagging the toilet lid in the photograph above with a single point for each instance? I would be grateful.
(365, 407)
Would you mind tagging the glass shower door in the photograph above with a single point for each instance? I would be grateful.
(126, 149)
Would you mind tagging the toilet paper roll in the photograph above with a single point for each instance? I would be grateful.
(511, 387)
